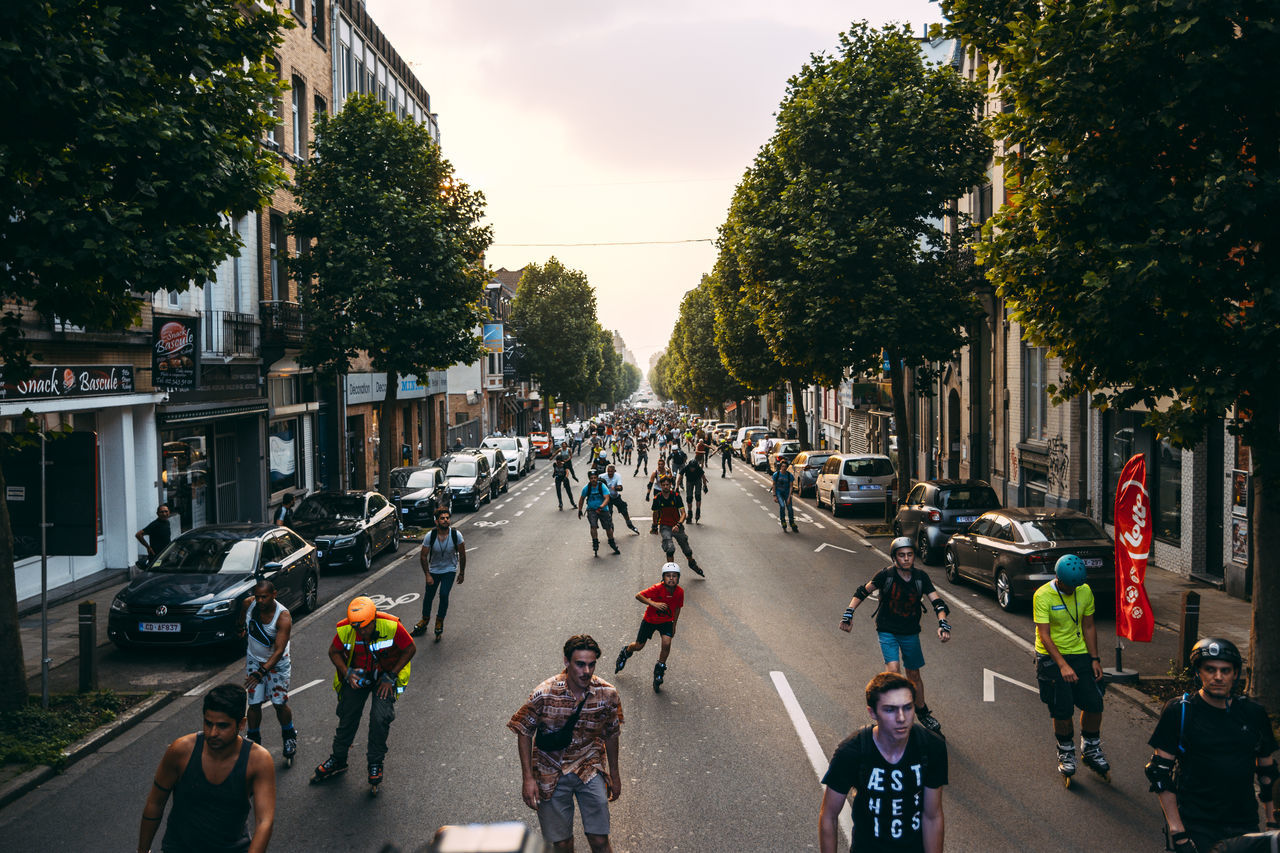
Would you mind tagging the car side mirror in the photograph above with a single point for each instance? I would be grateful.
(273, 566)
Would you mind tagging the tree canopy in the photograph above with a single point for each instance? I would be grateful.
(1138, 243)
(393, 264)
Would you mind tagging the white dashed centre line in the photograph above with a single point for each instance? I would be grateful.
(519, 512)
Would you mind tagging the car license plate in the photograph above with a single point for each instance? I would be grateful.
(966, 519)
(869, 487)
(1093, 563)
(160, 627)
(319, 553)
(405, 510)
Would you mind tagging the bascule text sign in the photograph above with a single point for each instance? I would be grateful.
(60, 380)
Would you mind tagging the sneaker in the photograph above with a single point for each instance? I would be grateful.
(329, 768)
(623, 656)
(697, 571)
(419, 629)
(929, 721)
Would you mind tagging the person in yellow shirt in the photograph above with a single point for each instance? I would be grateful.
(1068, 669)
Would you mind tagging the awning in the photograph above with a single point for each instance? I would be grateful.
(207, 413)
(286, 366)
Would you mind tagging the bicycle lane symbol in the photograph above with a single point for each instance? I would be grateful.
(386, 602)
(500, 521)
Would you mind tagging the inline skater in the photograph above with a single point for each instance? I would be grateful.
(561, 470)
(595, 497)
(266, 625)
(694, 479)
(677, 459)
(663, 602)
(783, 480)
(1068, 669)
(614, 482)
(726, 455)
(370, 652)
(903, 590)
(1209, 746)
(668, 521)
(642, 455)
(655, 479)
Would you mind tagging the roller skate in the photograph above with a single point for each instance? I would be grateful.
(375, 779)
(1091, 754)
(659, 670)
(1066, 762)
(623, 656)
(328, 769)
(290, 748)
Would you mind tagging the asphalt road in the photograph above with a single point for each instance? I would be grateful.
(761, 687)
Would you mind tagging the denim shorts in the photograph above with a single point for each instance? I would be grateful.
(907, 644)
(556, 814)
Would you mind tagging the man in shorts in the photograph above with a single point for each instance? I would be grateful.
(585, 768)
(663, 602)
(266, 625)
(595, 498)
(903, 589)
(897, 769)
(1068, 669)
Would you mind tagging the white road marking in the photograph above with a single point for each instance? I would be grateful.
(489, 513)
(809, 741)
(529, 504)
(866, 542)
(989, 677)
(519, 512)
(305, 686)
(837, 547)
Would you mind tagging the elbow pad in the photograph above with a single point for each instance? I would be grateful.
(861, 593)
(1160, 773)
(1267, 782)
(940, 606)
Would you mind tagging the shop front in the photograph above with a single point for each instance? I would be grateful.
(103, 400)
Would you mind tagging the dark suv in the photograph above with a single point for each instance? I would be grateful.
(935, 509)
(469, 477)
(418, 491)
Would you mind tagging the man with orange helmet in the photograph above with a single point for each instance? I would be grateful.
(370, 651)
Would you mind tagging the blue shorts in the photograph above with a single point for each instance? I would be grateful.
(907, 644)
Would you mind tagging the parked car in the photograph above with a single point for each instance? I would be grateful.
(806, 467)
(787, 449)
(559, 435)
(724, 427)
(1013, 551)
(348, 528)
(516, 458)
(469, 476)
(417, 492)
(748, 439)
(527, 447)
(934, 510)
(852, 479)
(192, 592)
(498, 465)
(739, 436)
(543, 444)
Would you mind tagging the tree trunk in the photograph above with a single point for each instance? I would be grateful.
(387, 433)
(905, 431)
(13, 673)
(802, 424)
(1264, 539)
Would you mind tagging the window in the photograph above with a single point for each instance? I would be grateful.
(1124, 436)
(279, 291)
(1168, 482)
(348, 70)
(320, 108)
(299, 93)
(284, 447)
(360, 82)
(298, 8)
(275, 137)
(317, 20)
(985, 204)
(1035, 394)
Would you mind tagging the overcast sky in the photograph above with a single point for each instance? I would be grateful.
(590, 121)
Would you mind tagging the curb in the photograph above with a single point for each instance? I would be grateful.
(88, 744)
(1136, 698)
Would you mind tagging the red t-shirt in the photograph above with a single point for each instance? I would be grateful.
(389, 656)
(673, 598)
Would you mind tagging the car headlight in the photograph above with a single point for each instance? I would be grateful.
(213, 608)
(118, 605)
(344, 541)
(423, 504)
(465, 489)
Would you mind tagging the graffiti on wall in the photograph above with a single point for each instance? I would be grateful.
(1059, 463)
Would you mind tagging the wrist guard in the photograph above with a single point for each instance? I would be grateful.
(1182, 843)
(848, 615)
(1159, 772)
(944, 625)
(940, 606)
(861, 593)
(1267, 783)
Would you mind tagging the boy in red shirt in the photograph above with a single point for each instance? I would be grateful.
(663, 602)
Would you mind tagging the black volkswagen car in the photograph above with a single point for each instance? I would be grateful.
(417, 491)
(348, 528)
(192, 592)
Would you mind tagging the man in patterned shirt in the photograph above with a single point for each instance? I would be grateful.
(553, 779)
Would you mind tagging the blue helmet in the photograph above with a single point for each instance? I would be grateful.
(1070, 570)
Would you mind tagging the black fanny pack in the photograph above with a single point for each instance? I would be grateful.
(557, 739)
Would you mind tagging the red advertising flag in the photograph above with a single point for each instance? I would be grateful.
(1134, 619)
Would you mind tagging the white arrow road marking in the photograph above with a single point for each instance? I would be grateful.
(837, 547)
(989, 677)
(809, 741)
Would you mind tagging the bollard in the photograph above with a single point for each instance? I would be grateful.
(1189, 627)
(88, 646)
(889, 511)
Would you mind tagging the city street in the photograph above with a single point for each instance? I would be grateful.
(760, 689)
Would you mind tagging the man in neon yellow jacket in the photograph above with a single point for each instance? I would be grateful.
(370, 653)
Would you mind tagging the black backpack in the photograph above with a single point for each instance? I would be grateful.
(916, 581)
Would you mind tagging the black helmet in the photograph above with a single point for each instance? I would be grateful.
(1215, 648)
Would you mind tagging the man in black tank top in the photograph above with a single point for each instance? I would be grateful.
(212, 774)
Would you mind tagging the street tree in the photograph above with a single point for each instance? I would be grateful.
(393, 265)
(554, 317)
(706, 382)
(1138, 243)
(658, 377)
(119, 169)
(744, 353)
(608, 381)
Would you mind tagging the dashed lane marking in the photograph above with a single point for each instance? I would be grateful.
(519, 513)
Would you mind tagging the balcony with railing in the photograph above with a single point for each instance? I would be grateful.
(281, 323)
(230, 334)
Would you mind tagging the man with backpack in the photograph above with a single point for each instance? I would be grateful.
(903, 590)
(1209, 746)
(595, 497)
(443, 557)
(898, 770)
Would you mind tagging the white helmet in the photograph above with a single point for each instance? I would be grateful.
(671, 567)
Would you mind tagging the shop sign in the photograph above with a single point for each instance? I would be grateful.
(92, 380)
(175, 357)
(372, 388)
(493, 337)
